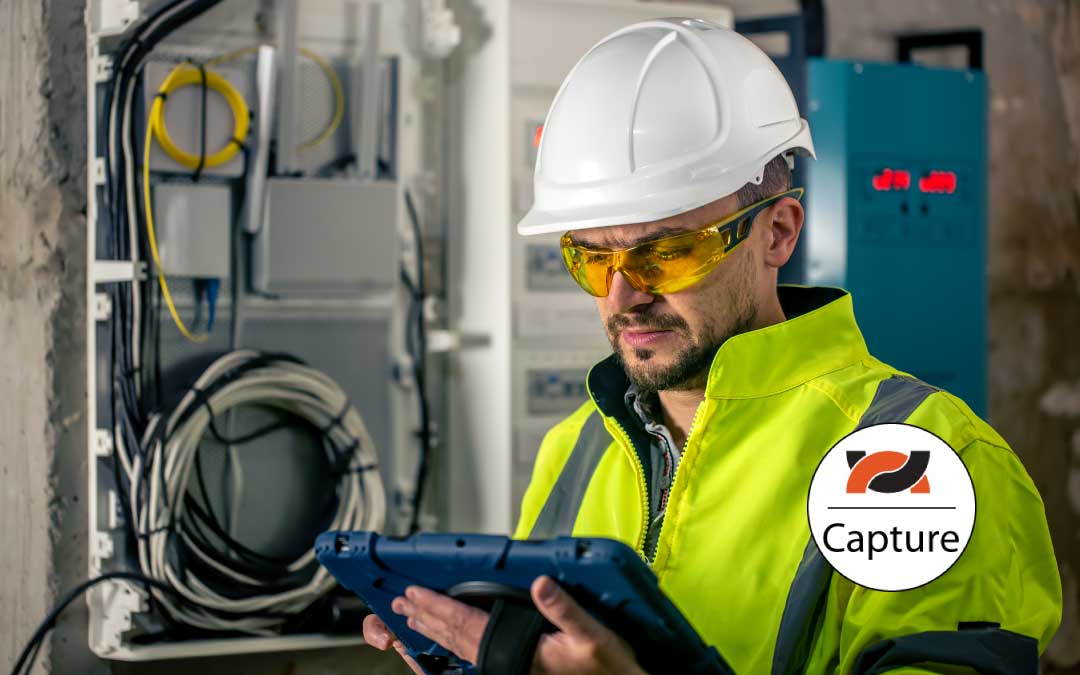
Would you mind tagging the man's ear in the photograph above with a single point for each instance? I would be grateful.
(784, 221)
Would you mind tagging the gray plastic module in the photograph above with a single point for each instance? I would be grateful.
(192, 223)
(349, 226)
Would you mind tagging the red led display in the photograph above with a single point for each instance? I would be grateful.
(891, 179)
(537, 134)
(938, 182)
(899, 180)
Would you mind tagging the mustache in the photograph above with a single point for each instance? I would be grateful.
(646, 321)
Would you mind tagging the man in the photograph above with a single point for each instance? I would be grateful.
(724, 392)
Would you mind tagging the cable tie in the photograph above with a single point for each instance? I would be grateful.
(150, 533)
(162, 95)
(338, 419)
(201, 399)
(342, 457)
(350, 448)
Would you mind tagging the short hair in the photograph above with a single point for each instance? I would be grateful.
(775, 179)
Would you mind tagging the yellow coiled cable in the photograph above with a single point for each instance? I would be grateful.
(185, 75)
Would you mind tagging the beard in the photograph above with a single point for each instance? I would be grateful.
(689, 367)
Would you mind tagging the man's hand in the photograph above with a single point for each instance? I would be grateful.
(379, 636)
(582, 645)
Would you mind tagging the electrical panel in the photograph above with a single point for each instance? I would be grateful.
(295, 240)
(897, 213)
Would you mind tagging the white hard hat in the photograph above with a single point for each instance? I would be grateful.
(659, 118)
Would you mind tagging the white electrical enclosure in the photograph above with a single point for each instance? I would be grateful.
(355, 334)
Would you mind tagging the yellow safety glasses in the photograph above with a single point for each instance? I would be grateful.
(665, 265)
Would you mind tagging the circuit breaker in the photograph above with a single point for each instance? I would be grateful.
(897, 213)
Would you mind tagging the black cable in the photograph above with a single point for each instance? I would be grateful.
(33, 656)
(25, 662)
(210, 518)
(128, 410)
(418, 352)
(202, 137)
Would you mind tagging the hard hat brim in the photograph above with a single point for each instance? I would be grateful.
(538, 221)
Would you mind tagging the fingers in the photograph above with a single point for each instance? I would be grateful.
(410, 661)
(376, 633)
(583, 644)
(454, 625)
(379, 636)
(561, 610)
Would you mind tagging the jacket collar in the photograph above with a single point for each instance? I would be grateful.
(819, 336)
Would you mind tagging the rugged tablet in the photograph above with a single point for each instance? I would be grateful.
(607, 577)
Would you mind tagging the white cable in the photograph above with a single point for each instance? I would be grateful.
(133, 239)
(287, 386)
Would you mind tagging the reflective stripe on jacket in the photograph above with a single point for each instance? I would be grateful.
(735, 552)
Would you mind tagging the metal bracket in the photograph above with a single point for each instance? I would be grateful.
(102, 307)
(442, 341)
(367, 107)
(103, 548)
(103, 442)
(118, 601)
(103, 68)
(110, 271)
(114, 16)
(288, 85)
(403, 372)
(115, 514)
(97, 168)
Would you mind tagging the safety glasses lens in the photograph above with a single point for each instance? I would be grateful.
(665, 265)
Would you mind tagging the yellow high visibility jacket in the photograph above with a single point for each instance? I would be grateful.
(735, 552)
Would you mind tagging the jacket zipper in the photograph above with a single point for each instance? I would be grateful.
(675, 479)
(643, 489)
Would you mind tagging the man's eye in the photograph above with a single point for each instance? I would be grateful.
(670, 254)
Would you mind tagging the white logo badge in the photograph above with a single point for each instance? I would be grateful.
(891, 507)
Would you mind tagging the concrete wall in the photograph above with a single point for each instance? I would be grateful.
(42, 272)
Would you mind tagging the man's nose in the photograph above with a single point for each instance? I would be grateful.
(622, 297)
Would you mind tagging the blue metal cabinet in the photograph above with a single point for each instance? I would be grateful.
(897, 212)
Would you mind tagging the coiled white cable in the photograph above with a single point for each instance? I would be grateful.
(157, 490)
